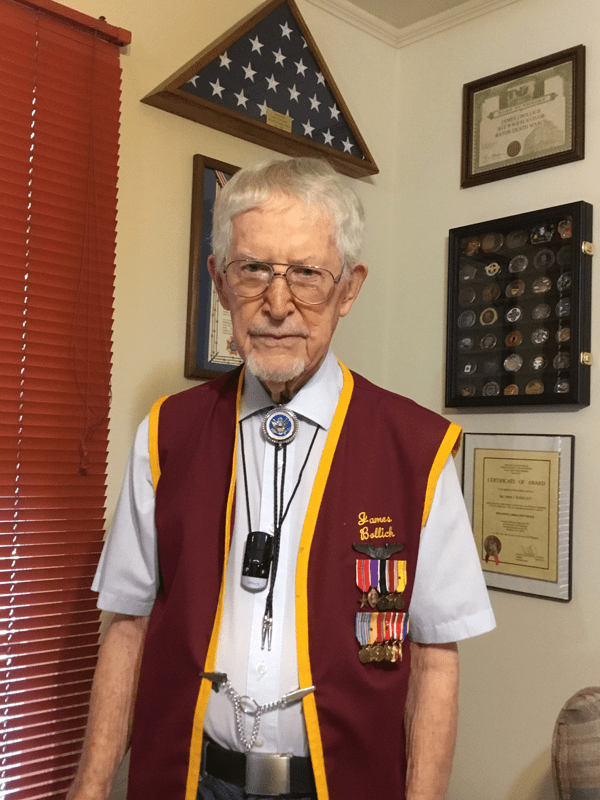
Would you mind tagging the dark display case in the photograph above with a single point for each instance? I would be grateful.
(519, 309)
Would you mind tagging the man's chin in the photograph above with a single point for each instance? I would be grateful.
(269, 371)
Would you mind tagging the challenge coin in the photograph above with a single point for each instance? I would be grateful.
(514, 314)
(467, 319)
(563, 282)
(490, 389)
(488, 341)
(543, 259)
(534, 387)
(518, 264)
(488, 316)
(492, 242)
(515, 288)
(538, 363)
(513, 339)
(540, 335)
(541, 285)
(541, 311)
(516, 239)
(513, 363)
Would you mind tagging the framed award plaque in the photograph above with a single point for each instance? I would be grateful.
(519, 310)
(519, 494)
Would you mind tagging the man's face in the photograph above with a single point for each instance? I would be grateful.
(282, 340)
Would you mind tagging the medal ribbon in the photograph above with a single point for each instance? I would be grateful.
(392, 574)
(388, 625)
(363, 574)
(401, 585)
(374, 566)
(362, 628)
(383, 576)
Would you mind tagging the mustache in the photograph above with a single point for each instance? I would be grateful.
(282, 330)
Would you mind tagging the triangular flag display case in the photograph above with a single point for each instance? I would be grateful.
(265, 80)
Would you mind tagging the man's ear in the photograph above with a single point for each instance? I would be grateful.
(353, 283)
(218, 280)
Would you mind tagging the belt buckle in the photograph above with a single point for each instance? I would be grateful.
(268, 774)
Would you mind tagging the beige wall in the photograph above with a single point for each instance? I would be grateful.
(407, 104)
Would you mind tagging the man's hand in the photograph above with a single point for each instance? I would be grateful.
(430, 718)
(111, 708)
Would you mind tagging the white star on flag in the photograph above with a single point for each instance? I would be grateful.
(249, 72)
(273, 84)
(279, 57)
(300, 67)
(271, 70)
(256, 45)
(308, 129)
(217, 88)
(242, 100)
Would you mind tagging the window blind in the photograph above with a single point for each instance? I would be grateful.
(59, 125)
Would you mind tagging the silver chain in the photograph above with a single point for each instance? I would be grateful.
(242, 704)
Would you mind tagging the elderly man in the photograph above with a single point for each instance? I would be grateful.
(277, 529)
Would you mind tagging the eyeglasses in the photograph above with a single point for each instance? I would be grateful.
(310, 285)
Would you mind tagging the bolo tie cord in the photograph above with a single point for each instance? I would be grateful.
(279, 516)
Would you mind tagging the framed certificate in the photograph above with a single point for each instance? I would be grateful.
(519, 310)
(518, 490)
(525, 118)
(209, 346)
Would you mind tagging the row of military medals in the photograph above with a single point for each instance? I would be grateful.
(381, 633)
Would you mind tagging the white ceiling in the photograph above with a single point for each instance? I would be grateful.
(401, 13)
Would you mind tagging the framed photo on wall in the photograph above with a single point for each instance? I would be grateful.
(209, 346)
(519, 310)
(518, 491)
(525, 118)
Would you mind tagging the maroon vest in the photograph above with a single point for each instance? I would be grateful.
(384, 466)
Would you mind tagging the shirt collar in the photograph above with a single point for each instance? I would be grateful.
(316, 400)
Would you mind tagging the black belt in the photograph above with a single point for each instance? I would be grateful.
(269, 775)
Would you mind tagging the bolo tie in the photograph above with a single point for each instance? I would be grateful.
(261, 554)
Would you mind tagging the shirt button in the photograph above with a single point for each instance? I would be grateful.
(262, 668)
(259, 742)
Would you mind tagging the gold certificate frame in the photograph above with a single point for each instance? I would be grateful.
(518, 490)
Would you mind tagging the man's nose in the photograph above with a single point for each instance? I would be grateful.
(279, 296)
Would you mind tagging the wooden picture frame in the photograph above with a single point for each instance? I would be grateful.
(209, 350)
(523, 119)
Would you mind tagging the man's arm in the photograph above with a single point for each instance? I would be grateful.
(111, 707)
(430, 719)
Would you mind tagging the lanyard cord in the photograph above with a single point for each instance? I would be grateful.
(279, 515)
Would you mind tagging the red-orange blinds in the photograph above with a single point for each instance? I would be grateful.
(59, 124)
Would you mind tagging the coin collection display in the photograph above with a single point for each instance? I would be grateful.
(519, 309)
